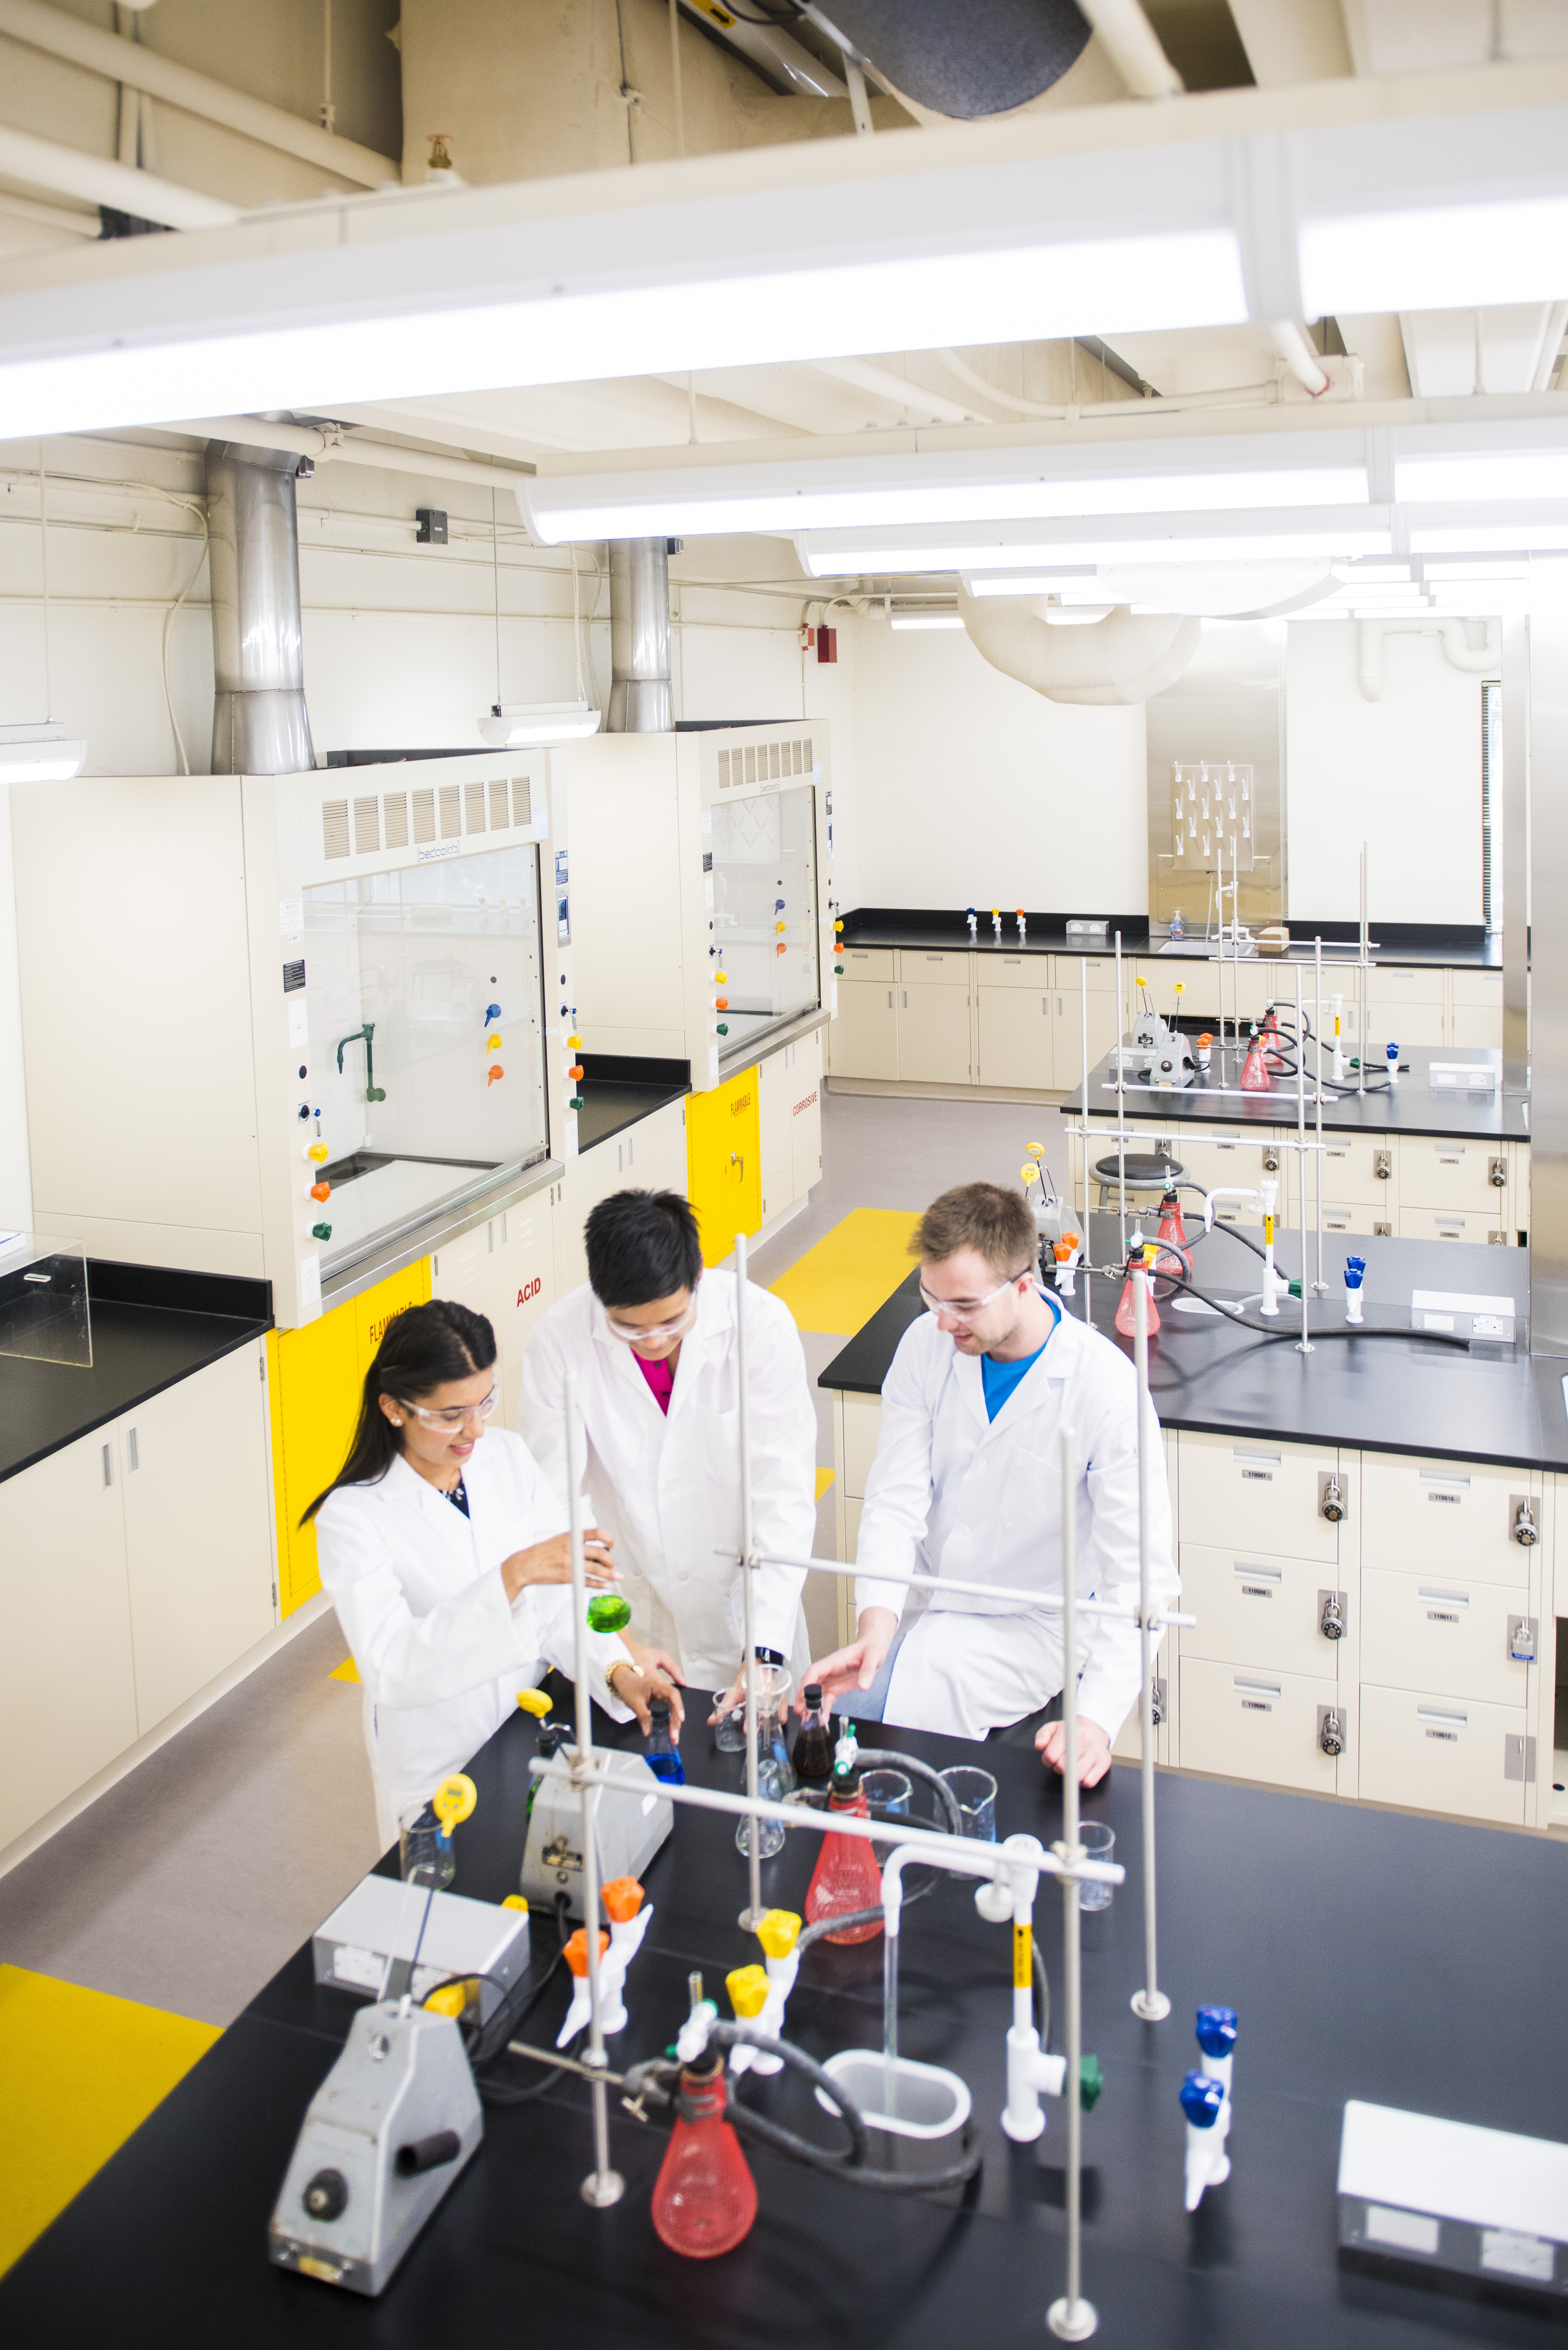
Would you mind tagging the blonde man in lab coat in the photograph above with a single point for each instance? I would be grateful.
(651, 1338)
(966, 1482)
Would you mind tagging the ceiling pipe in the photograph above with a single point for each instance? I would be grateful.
(326, 445)
(94, 180)
(1291, 342)
(260, 726)
(1480, 661)
(785, 64)
(140, 68)
(884, 384)
(639, 701)
(1124, 658)
(1134, 47)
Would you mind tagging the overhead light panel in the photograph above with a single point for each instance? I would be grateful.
(1440, 257)
(1548, 535)
(39, 755)
(842, 554)
(926, 619)
(517, 725)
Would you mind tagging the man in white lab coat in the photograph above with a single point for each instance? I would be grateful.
(966, 1482)
(651, 1338)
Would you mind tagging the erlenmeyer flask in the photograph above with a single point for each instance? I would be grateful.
(1124, 1322)
(704, 2199)
(1255, 1068)
(1171, 1227)
(1272, 1042)
(845, 1876)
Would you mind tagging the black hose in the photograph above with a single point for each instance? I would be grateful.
(877, 1758)
(1346, 1330)
(814, 1932)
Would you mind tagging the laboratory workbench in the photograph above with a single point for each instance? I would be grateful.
(151, 1327)
(1459, 946)
(1494, 1403)
(618, 1089)
(1409, 1107)
(1367, 1954)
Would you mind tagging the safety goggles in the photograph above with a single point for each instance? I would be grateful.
(967, 1307)
(455, 1415)
(652, 1334)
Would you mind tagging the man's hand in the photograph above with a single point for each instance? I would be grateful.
(1094, 1749)
(638, 1684)
(551, 1561)
(856, 1667)
(735, 1697)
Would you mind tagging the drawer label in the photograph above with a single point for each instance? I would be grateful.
(1451, 1737)
(1256, 1705)
(1455, 1498)
(1256, 1591)
(1259, 1476)
(1441, 1615)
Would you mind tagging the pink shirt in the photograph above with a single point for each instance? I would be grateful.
(660, 1378)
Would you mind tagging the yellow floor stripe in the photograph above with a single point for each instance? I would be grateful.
(823, 1480)
(81, 2071)
(347, 1671)
(839, 1284)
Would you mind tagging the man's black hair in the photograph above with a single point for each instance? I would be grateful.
(642, 1245)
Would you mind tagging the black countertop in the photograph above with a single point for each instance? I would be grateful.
(1461, 946)
(618, 1089)
(1409, 1107)
(152, 1325)
(1339, 1932)
(1378, 1395)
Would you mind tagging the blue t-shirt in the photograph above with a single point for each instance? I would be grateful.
(1000, 1379)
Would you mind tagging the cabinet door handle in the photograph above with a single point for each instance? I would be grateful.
(130, 1448)
(109, 1465)
(905, 1001)
(889, 999)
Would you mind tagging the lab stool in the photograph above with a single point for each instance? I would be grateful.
(1146, 1174)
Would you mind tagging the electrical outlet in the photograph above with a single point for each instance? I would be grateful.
(1489, 1326)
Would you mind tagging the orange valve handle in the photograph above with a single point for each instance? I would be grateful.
(781, 948)
(575, 1074)
(321, 1192)
(622, 1897)
(721, 1004)
(493, 1072)
(576, 1952)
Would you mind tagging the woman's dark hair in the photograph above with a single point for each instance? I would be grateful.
(642, 1245)
(422, 1347)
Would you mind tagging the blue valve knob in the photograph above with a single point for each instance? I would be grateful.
(1393, 1055)
(492, 1012)
(1201, 2098)
(1217, 2030)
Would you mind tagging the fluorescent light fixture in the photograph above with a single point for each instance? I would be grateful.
(1029, 583)
(1546, 536)
(926, 619)
(1442, 569)
(512, 726)
(1530, 474)
(874, 492)
(38, 755)
(1116, 541)
(1442, 257)
(1357, 574)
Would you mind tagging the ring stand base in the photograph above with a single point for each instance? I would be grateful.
(1150, 2006)
(1073, 2321)
(602, 2188)
(750, 1920)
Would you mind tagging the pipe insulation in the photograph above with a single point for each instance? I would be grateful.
(1124, 658)
(639, 701)
(94, 180)
(1132, 46)
(966, 64)
(259, 723)
(140, 68)
(1476, 661)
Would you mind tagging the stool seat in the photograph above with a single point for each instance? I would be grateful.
(1144, 1167)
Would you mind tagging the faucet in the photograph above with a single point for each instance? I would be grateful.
(373, 1092)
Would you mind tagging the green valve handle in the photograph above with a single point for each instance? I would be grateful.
(1091, 2080)
(723, 1027)
(321, 1231)
(577, 1102)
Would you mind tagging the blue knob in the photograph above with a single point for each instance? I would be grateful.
(492, 1012)
(1216, 2030)
(1201, 2098)
(1394, 1053)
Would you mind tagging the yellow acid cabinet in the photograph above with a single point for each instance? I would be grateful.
(314, 1378)
(725, 1162)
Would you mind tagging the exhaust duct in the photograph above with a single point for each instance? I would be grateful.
(639, 701)
(260, 726)
(1126, 657)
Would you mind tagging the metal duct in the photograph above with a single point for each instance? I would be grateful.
(259, 723)
(1124, 658)
(639, 637)
(961, 62)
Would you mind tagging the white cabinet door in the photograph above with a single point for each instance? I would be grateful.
(68, 1697)
(197, 1530)
(1251, 1496)
(1441, 1171)
(864, 1039)
(934, 1045)
(1443, 1632)
(1439, 1753)
(1260, 1611)
(862, 1427)
(1013, 1034)
(774, 1098)
(526, 1284)
(1475, 1028)
(1067, 1008)
(1450, 1519)
(806, 1113)
(1246, 1722)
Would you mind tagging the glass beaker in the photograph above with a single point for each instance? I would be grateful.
(730, 1724)
(888, 1797)
(425, 1856)
(975, 1795)
(770, 1834)
(1099, 1843)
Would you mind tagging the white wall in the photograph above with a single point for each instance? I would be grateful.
(1402, 773)
(972, 789)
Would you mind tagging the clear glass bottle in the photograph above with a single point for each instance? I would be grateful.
(770, 1833)
(845, 1876)
(813, 1740)
(704, 2199)
(663, 1754)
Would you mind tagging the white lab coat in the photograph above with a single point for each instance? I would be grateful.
(952, 1493)
(441, 1651)
(669, 1488)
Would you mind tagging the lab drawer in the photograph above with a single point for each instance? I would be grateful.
(1264, 1611)
(1254, 1496)
(1247, 1723)
(1441, 1632)
(1393, 987)
(1356, 1217)
(1350, 1172)
(916, 962)
(1436, 1172)
(1445, 1519)
(1070, 972)
(1009, 970)
(868, 962)
(1457, 1224)
(1437, 1753)
(1477, 990)
(862, 1426)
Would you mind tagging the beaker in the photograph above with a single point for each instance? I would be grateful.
(730, 1724)
(1099, 1843)
(770, 1834)
(975, 1795)
(888, 1797)
(425, 1856)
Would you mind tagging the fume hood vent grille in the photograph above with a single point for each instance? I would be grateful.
(424, 814)
(764, 763)
(335, 827)
(366, 825)
(450, 816)
(473, 807)
(396, 807)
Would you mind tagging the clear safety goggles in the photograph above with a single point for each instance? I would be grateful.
(455, 1415)
(967, 1307)
(652, 1333)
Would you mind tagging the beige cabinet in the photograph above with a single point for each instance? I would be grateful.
(1440, 1754)
(198, 1547)
(649, 1155)
(1264, 1611)
(935, 1045)
(1445, 1172)
(1451, 1633)
(1404, 1004)
(1452, 1225)
(1015, 1036)
(804, 1096)
(1248, 1496)
(68, 1687)
(1447, 1519)
(863, 1041)
(774, 1121)
(1252, 1722)
(524, 1281)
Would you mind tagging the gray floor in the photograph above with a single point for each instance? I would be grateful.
(190, 1882)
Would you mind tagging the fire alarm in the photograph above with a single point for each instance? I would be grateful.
(828, 644)
(807, 638)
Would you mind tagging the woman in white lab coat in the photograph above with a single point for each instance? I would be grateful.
(446, 1556)
(651, 1338)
